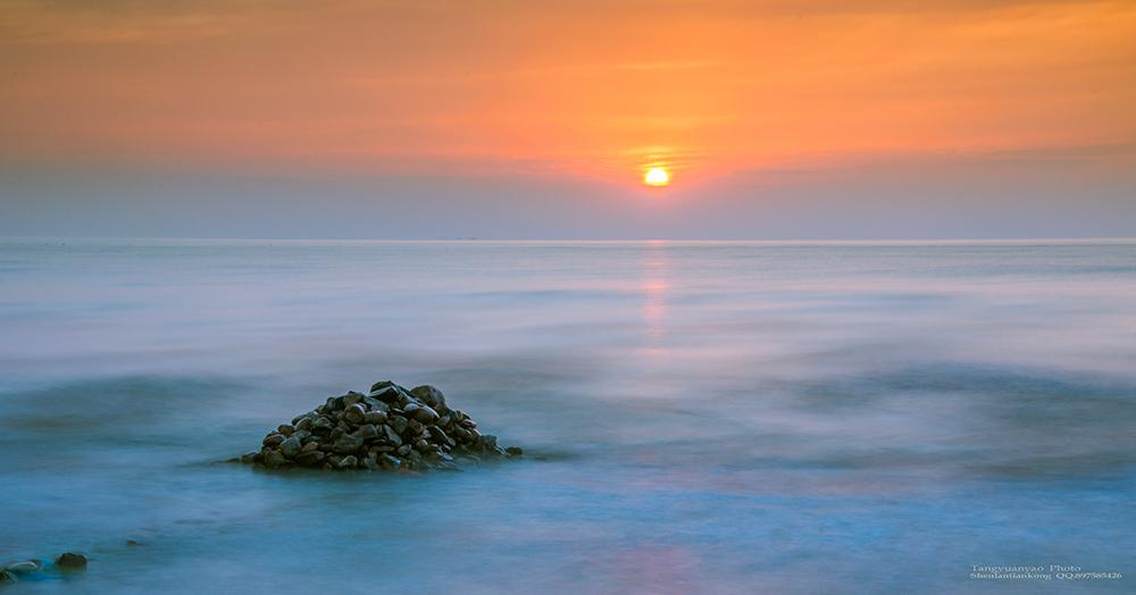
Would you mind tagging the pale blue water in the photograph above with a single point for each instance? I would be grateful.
(700, 417)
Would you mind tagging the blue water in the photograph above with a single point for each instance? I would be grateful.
(698, 417)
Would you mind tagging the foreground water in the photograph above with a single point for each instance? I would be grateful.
(699, 417)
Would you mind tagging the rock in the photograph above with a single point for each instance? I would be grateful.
(322, 424)
(24, 567)
(428, 395)
(514, 451)
(388, 428)
(388, 392)
(426, 414)
(310, 458)
(375, 405)
(291, 447)
(7, 577)
(133, 543)
(355, 414)
(367, 432)
(439, 435)
(392, 435)
(71, 561)
(348, 443)
(273, 459)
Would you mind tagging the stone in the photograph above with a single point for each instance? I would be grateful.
(388, 392)
(7, 577)
(273, 459)
(392, 435)
(310, 458)
(355, 414)
(514, 451)
(367, 432)
(426, 414)
(24, 567)
(291, 447)
(71, 561)
(374, 404)
(348, 443)
(440, 435)
(388, 428)
(428, 395)
(322, 424)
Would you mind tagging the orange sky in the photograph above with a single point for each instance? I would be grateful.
(578, 89)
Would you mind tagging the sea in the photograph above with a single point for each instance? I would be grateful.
(696, 417)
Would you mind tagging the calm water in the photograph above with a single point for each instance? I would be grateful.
(700, 417)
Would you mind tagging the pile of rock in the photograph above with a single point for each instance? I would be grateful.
(389, 428)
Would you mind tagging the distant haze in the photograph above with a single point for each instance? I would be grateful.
(530, 120)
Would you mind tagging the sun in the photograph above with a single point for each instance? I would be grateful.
(656, 176)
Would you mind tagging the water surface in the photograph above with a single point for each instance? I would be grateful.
(699, 417)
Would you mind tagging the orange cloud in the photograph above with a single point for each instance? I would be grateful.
(582, 88)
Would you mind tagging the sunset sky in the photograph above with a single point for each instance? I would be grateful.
(776, 119)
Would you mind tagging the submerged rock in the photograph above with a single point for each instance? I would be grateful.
(389, 428)
(71, 561)
(24, 567)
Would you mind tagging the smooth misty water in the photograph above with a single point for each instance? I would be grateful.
(700, 417)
